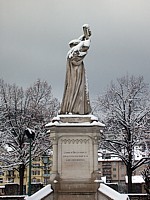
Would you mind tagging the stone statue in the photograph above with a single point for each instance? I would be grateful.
(76, 98)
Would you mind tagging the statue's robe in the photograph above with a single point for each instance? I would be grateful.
(76, 98)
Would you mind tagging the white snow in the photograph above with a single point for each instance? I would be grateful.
(103, 178)
(29, 130)
(93, 118)
(85, 25)
(87, 43)
(41, 193)
(75, 124)
(57, 118)
(75, 41)
(135, 179)
(75, 115)
(114, 195)
(109, 159)
(56, 121)
(8, 148)
(138, 154)
(112, 156)
(76, 50)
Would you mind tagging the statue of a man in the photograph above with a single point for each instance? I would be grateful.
(76, 97)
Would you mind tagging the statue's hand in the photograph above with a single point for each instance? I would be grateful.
(86, 31)
(90, 33)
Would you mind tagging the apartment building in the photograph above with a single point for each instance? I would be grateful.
(113, 168)
(40, 174)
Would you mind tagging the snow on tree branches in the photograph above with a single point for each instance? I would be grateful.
(125, 110)
(21, 109)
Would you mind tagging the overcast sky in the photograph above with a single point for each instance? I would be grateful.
(34, 36)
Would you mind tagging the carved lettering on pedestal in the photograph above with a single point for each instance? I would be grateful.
(75, 154)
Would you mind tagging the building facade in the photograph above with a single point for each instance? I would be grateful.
(113, 171)
(40, 174)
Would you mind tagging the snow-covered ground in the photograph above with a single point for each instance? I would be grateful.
(135, 179)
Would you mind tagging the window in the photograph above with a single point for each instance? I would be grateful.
(33, 172)
(10, 173)
(114, 169)
(1, 180)
(1, 173)
(114, 175)
(46, 171)
(34, 180)
(37, 172)
(36, 165)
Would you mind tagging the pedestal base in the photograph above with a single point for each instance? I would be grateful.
(75, 156)
(66, 190)
(77, 196)
(75, 187)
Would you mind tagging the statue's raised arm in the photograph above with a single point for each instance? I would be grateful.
(80, 46)
(76, 97)
(86, 31)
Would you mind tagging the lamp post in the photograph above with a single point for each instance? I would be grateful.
(30, 134)
(45, 160)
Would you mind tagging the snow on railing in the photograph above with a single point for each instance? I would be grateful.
(111, 193)
(47, 190)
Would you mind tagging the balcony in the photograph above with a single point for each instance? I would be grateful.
(106, 164)
(46, 175)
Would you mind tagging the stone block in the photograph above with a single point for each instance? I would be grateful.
(75, 156)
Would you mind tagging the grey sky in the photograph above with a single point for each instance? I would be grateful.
(34, 36)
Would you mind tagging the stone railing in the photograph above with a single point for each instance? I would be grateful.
(14, 197)
(43, 194)
(107, 193)
(139, 197)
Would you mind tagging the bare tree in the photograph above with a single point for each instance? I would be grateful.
(125, 109)
(21, 109)
(146, 176)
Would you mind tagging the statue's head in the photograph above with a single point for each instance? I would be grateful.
(74, 42)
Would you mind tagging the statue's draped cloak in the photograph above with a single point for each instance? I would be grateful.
(76, 97)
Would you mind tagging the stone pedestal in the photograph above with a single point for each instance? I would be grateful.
(75, 159)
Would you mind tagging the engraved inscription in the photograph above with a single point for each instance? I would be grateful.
(75, 156)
